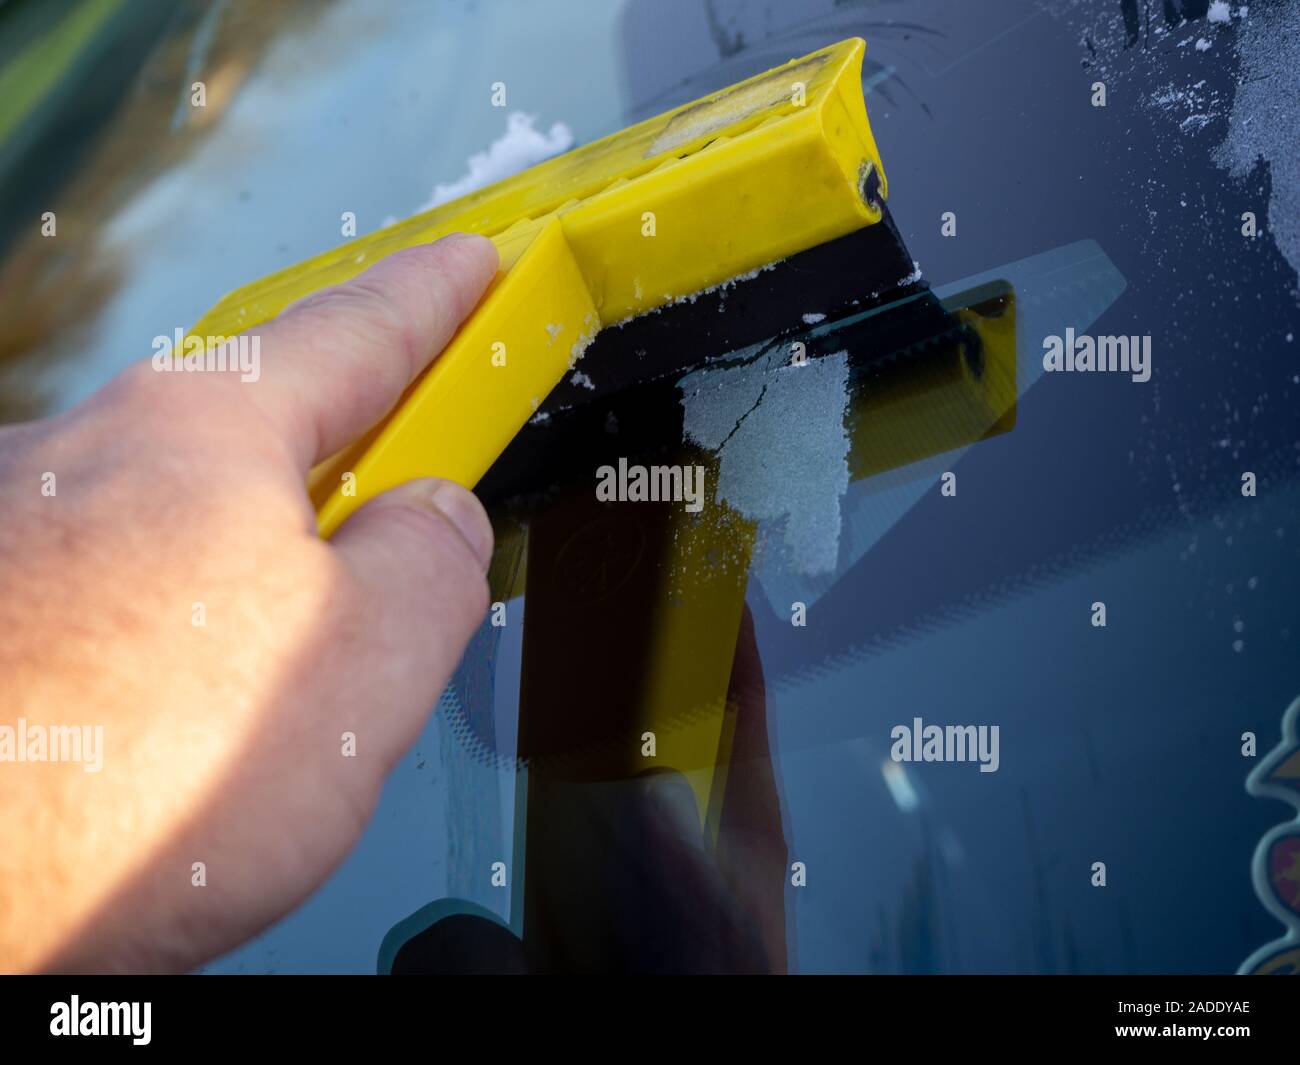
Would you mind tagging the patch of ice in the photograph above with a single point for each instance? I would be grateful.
(1197, 105)
(746, 414)
(590, 327)
(1264, 118)
(668, 300)
(520, 147)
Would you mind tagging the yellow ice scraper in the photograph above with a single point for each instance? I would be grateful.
(669, 207)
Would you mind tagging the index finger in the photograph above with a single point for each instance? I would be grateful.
(337, 361)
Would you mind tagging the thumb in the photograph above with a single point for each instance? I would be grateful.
(419, 555)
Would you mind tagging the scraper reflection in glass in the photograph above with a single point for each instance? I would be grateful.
(647, 830)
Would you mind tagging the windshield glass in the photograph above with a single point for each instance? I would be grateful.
(910, 512)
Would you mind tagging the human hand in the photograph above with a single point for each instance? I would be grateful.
(223, 742)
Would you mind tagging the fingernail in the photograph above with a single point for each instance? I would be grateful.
(462, 238)
(461, 507)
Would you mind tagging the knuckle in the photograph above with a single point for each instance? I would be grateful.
(357, 312)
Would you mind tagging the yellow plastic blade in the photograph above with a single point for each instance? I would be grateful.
(662, 210)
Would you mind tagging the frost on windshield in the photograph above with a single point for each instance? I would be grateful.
(1264, 123)
(778, 431)
(1251, 118)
